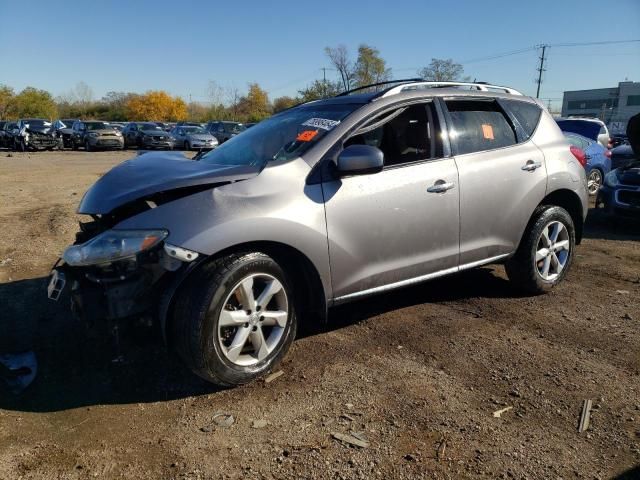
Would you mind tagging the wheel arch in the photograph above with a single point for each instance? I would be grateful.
(310, 294)
(570, 201)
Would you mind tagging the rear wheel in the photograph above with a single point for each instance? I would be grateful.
(235, 319)
(594, 181)
(545, 253)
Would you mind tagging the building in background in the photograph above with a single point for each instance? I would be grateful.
(615, 106)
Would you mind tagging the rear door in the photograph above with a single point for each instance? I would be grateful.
(399, 225)
(502, 175)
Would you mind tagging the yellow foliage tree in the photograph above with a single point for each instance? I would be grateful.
(156, 106)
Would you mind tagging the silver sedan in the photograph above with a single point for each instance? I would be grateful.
(191, 137)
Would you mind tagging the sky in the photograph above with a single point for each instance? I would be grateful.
(180, 46)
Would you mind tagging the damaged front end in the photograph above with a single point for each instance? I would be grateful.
(117, 275)
(29, 139)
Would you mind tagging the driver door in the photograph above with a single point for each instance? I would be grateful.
(401, 225)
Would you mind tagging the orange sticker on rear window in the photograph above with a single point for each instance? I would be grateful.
(487, 131)
(306, 136)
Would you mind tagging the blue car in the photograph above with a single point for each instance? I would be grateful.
(620, 194)
(598, 160)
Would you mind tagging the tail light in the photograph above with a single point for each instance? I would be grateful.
(579, 154)
(607, 153)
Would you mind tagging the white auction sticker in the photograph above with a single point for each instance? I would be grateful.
(323, 123)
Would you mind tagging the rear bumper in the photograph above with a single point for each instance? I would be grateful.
(619, 201)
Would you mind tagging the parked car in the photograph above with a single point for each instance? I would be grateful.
(587, 127)
(250, 124)
(619, 139)
(33, 134)
(622, 155)
(223, 131)
(620, 194)
(597, 160)
(6, 134)
(163, 126)
(64, 130)
(147, 135)
(118, 126)
(324, 203)
(189, 138)
(95, 135)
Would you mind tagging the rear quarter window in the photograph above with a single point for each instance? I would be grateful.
(478, 126)
(527, 114)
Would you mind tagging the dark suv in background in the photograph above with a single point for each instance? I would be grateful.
(147, 135)
(223, 131)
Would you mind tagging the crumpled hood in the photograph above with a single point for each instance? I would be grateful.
(152, 173)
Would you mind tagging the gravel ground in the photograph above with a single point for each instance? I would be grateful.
(416, 374)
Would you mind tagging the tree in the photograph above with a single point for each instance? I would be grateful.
(282, 103)
(339, 57)
(320, 89)
(115, 104)
(254, 106)
(443, 70)
(6, 101)
(370, 67)
(32, 102)
(156, 105)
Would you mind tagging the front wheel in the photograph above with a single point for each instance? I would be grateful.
(87, 146)
(545, 253)
(235, 319)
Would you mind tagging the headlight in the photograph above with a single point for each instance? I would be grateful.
(611, 179)
(112, 245)
(118, 134)
(94, 135)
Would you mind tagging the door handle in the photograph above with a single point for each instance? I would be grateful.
(440, 187)
(530, 166)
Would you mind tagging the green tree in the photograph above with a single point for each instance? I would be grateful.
(320, 89)
(282, 103)
(32, 102)
(443, 70)
(370, 67)
(7, 96)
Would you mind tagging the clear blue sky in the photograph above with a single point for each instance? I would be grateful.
(179, 46)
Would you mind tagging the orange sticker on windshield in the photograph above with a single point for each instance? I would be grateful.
(487, 131)
(306, 136)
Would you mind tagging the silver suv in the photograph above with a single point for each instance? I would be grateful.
(324, 203)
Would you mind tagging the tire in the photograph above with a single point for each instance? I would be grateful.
(594, 181)
(187, 146)
(527, 272)
(87, 146)
(208, 297)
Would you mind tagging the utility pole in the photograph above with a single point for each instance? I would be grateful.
(541, 69)
(324, 82)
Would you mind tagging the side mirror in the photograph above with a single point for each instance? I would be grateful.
(360, 160)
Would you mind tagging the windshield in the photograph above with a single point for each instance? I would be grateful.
(96, 125)
(35, 123)
(581, 127)
(231, 127)
(194, 130)
(281, 137)
(149, 126)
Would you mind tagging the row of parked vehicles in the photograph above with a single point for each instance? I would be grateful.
(35, 134)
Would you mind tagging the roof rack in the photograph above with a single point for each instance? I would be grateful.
(388, 82)
(422, 84)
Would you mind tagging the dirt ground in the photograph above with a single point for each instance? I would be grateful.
(418, 373)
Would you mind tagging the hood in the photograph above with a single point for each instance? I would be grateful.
(103, 131)
(629, 175)
(153, 173)
(201, 136)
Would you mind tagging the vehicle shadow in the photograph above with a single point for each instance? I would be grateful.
(600, 226)
(76, 371)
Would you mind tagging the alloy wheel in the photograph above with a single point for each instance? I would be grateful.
(594, 181)
(552, 251)
(253, 318)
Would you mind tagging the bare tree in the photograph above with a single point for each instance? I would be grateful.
(443, 70)
(339, 57)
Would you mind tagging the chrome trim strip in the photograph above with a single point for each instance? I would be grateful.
(412, 281)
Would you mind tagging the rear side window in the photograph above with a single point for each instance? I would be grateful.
(478, 126)
(527, 114)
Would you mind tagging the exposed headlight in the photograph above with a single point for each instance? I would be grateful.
(94, 134)
(111, 246)
(118, 134)
(611, 179)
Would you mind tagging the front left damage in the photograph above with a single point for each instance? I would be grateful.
(34, 139)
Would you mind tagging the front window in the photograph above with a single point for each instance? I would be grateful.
(231, 127)
(96, 125)
(281, 137)
(148, 126)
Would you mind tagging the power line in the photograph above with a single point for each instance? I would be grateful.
(498, 55)
(582, 44)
